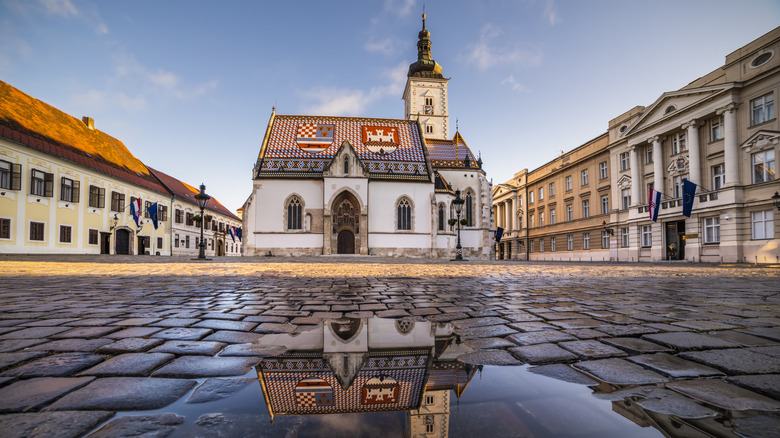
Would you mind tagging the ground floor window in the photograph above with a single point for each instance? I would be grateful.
(586, 241)
(5, 228)
(762, 225)
(712, 230)
(176, 240)
(604, 240)
(569, 242)
(624, 237)
(552, 244)
(93, 237)
(531, 247)
(541, 245)
(187, 241)
(65, 233)
(36, 231)
(159, 243)
(647, 236)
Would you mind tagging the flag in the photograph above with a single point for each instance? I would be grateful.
(153, 214)
(655, 202)
(232, 233)
(499, 233)
(689, 194)
(238, 233)
(135, 210)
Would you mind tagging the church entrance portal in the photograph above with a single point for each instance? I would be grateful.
(345, 225)
(346, 242)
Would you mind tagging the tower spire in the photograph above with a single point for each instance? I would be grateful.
(425, 65)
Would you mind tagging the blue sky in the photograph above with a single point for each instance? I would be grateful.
(188, 86)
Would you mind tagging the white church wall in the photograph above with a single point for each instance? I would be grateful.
(384, 196)
(270, 202)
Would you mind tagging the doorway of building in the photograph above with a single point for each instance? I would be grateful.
(122, 241)
(220, 248)
(105, 243)
(143, 245)
(675, 240)
(346, 242)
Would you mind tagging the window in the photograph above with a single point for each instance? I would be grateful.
(41, 183)
(188, 219)
(159, 243)
(712, 230)
(569, 213)
(761, 59)
(716, 129)
(179, 216)
(531, 221)
(404, 215)
(586, 208)
(442, 219)
(93, 237)
(570, 242)
(541, 193)
(469, 209)
(762, 109)
(584, 175)
(186, 241)
(678, 143)
(626, 197)
(346, 165)
(429, 400)
(531, 246)
(586, 241)
(97, 197)
(429, 129)
(176, 240)
(718, 176)
(763, 226)
(5, 228)
(764, 166)
(221, 227)
(541, 219)
(677, 183)
(10, 175)
(294, 214)
(603, 170)
(604, 240)
(624, 237)
(568, 183)
(162, 213)
(552, 189)
(69, 190)
(429, 428)
(625, 161)
(36, 231)
(65, 233)
(649, 154)
(552, 244)
(147, 204)
(647, 236)
(552, 216)
(605, 204)
(428, 101)
(541, 245)
(531, 197)
(117, 201)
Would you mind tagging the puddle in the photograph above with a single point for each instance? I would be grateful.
(387, 377)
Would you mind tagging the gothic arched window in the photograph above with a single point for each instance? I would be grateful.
(404, 215)
(346, 165)
(294, 210)
(468, 209)
(442, 219)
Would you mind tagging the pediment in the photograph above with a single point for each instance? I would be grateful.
(761, 140)
(624, 182)
(336, 165)
(673, 104)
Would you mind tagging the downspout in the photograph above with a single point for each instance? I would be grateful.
(527, 247)
(170, 213)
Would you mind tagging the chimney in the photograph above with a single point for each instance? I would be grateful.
(89, 121)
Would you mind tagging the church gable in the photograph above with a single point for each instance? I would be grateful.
(451, 153)
(346, 163)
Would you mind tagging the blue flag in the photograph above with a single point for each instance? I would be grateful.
(153, 214)
(689, 194)
(499, 233)
(238, 233)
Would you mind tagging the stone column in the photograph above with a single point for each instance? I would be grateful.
(658, 163)
(635, 176)
(694, 152)
(730, 147)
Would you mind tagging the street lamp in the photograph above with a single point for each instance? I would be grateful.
(202, 199)
(776, 200)
(458, 203)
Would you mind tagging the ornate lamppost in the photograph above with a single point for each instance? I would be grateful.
(458, 203)
(202, 199)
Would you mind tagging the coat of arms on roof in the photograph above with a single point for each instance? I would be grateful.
(380, 139)
(314, 138)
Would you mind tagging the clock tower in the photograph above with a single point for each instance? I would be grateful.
(425, 95)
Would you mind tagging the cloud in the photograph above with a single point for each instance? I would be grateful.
(489, 52)
(551, 12)
(513, 84)
(95, 100)
(385, 46)
(63, 8)
(101, 29)
(401, 8)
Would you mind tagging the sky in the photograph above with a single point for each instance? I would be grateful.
(189, 86)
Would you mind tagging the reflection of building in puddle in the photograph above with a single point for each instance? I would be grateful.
(367, 365)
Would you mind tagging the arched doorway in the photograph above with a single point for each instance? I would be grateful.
(346, 224)
(346, 242)
(122, 241)
(220, 248)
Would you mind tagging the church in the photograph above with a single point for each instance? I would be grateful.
(327, 185)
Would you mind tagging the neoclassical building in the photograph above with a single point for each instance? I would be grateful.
(357, 185)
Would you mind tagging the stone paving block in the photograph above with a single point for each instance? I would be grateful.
(423, 312)
(10, 345)
(183, 334)
(520, 317)
(772, 333)
(50, 424)
(592, 349)
(218, 389)
(50, 322)
(735, 361)
(683, 341)
(266, 318)
(490, 357)
(576, 323)
(359, 314)
(585, 333)
(635, 345)
(531, 326)
(540, 337)
(757, 426)
(198, 366)
(743, 338)
(287, 313)
(479, 322)
(663, 401)
(218, 324)
(252, 350)
(223, 316)
(392, 313)
(626, 330)
(34, 332)
(206, 348)
(564, 373)
(375, 306)
(87, 322)
(30, 394)
(769, 350)
(147, 426)
(542, 353)
(231, 337)
(176, 322)
(272, 327)
(85, 332)
(325, 315)
(619, 372)
(134, 332)
(674, 366)
(662, 327)
(724, 395)
(703, 325)
(129, 345)
(447, 317)
(57, 365)
(489, 343)
(767, 384)
(124, 394)
(128, 364)
(128, 322)
(307, 320)
(77, 345)
(487, 331)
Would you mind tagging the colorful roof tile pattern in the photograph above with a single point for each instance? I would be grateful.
(303, 146)
(187, 193)
(40, 126)
(451, 153)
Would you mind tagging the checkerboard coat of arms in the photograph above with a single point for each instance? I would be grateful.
(313, 392)
(314, 138)
(380, 140)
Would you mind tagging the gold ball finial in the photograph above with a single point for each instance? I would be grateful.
(423, 15)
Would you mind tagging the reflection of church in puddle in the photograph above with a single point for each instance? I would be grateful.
(368, 365)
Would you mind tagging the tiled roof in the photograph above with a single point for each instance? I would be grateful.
(40, 126)
(187, 193)
(450, 153)
(303, 146)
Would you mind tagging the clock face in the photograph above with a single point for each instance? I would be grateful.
(428, 109)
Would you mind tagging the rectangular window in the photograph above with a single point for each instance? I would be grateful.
(162, 213)
(568, 183)
(586, 241)
(429, 428)
(648, 154)
(541, 193)
(604, 240)
(97, 197)
(117, 201)
(176, 241)
(718, 176)
(624, 237)
(678, 143)
(189, 221)
(531, 219)
(605, 204)
(716, 129)
(69, 190)
(179, 216)
(552, 189)
(570, 242)
(65, 232)
(10, 175)
(552, 244)
(586, 208)
(531, 246)
(429, 400)
(647, 236)
(625, 161)
(603, 174)
(93, 236)
(569, 213)
(147, 204)
(541, 219)
(541, 245)
(531, 197)
(584, 175)
(159, 243)
(762, 224)
(186, 241)
(764, 166)
(677, 183)
(552, 216)
(625, 195)
(5, 228)
(712, 230)
(762, 109)
(36, 231)
(41, 183)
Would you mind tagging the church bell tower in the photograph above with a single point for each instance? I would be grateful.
(425, 95)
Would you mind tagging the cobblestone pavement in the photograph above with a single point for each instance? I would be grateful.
(83, 338)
